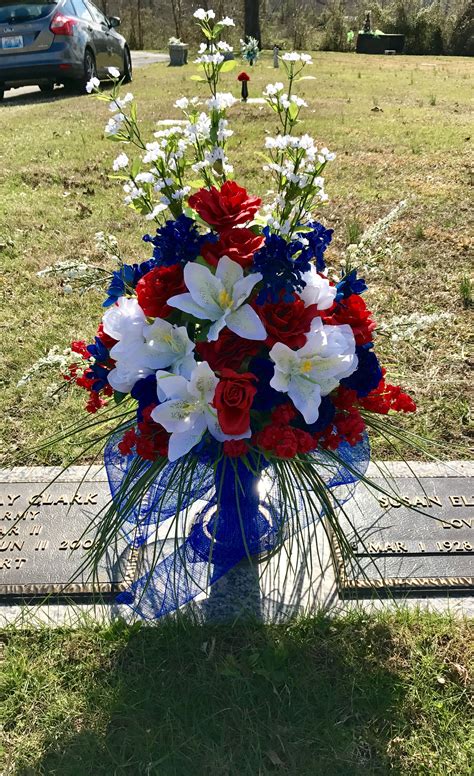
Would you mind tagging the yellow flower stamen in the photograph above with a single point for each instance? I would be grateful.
(306, 366)
(225, 299)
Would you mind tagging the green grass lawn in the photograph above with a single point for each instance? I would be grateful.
(55, 194)
(354, 696)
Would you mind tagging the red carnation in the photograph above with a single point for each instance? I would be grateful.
(233, 399)
(156, 287)
(353, 311)
(287, 322)
(387, 397)
(225, 208)
(234, 448)
(238, 244)
(284, 414)
(229, 350)
(243, 76)
(152, 439)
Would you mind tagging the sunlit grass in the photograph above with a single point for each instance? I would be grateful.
(55, 194)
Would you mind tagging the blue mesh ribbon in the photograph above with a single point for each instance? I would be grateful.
(243, 514)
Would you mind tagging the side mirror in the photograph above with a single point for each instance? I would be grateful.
(114, 21)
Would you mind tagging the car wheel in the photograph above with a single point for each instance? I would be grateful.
(90, 70)
(47, 88)
(127, 67)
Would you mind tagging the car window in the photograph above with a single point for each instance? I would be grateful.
(12, 13)
(68, 7)
(82, 12)
(97, 15)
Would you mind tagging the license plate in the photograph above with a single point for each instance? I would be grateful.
(15, 41)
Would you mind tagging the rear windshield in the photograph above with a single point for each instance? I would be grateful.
(12, 13)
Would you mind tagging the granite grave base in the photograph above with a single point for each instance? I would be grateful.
(393, 544)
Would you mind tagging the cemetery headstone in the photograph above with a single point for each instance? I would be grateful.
(46, 531)
(419, 536)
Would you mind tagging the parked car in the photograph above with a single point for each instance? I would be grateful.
(58, 42)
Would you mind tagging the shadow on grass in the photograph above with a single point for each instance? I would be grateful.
(311, 698)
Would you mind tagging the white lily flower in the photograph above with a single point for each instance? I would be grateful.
(114, 72)
(92, 84)
(168, 346)
(124, 322)
(186, 409)
(227, 22)
(204, 15)
(315, 369)
(317, 290)
(220, 298)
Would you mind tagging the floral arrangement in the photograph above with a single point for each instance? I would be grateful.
(250, 49)
(230, 352)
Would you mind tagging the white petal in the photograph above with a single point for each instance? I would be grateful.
(184, 366)
(123, 378)
(171, 386)
(243, 288)
(180, 444)
(129, 348)
(246, 323)
(186, 303)
(203, 383)
(280, 381)
(229, 272)
(174, 415)
(204, 288)
(123, 318)
(317, 291)
(216, 328)
(285, 358)
(156, 330)
(306, 396)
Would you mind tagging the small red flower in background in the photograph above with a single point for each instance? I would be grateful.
(238, 244)
(156, 287)
(243, 76)
(233, 399)
(225, 208)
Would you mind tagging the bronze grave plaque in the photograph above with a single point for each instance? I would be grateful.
(46, 532)
(397, 549)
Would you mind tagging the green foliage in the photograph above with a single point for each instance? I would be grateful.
(462, 39)
(336, 29)
(429, 29)
(353, 695)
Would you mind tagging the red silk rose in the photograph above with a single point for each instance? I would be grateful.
(243, 76)
(225, 208)
(233, 399)
(228, 351)
(238, 244)
(287, 322)
(354, 312)
(156, 287)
